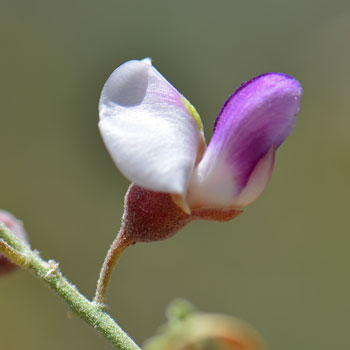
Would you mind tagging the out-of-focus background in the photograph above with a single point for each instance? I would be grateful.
(283, 266)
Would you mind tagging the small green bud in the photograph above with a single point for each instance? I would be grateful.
(203, 331)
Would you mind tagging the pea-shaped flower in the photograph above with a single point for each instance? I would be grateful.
(155, 137)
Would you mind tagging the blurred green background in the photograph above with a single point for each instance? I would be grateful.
(282, 266)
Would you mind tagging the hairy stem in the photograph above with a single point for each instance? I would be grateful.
(19, 253)
(116, 249)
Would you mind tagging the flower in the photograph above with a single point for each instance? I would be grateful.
(155, 137)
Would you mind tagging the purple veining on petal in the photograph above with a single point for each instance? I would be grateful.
(259, 114)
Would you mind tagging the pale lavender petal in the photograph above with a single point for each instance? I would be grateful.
(152, 132)
(259, 115)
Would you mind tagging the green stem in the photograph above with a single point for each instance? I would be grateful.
(49, 273)
(11, 253)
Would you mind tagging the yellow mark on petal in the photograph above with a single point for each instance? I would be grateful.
(193, 112)
(197, 118)
(181, 202)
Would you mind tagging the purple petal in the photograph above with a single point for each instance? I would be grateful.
(259, 115)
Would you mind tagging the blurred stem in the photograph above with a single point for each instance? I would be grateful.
(11, 253)
(114, 252)
(21, 254)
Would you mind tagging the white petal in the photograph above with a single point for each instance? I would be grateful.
(149, 128)
(212, 184)
(218, 189)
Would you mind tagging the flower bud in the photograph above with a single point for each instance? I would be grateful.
(205, 331)
(16, 227)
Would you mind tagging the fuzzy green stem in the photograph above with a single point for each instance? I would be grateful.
(19, 253)
(11, 253)
(116, 249)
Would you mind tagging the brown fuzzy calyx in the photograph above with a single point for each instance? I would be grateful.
(153, 216)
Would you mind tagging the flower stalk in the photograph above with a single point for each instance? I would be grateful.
(117, 248)
(21, 254)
